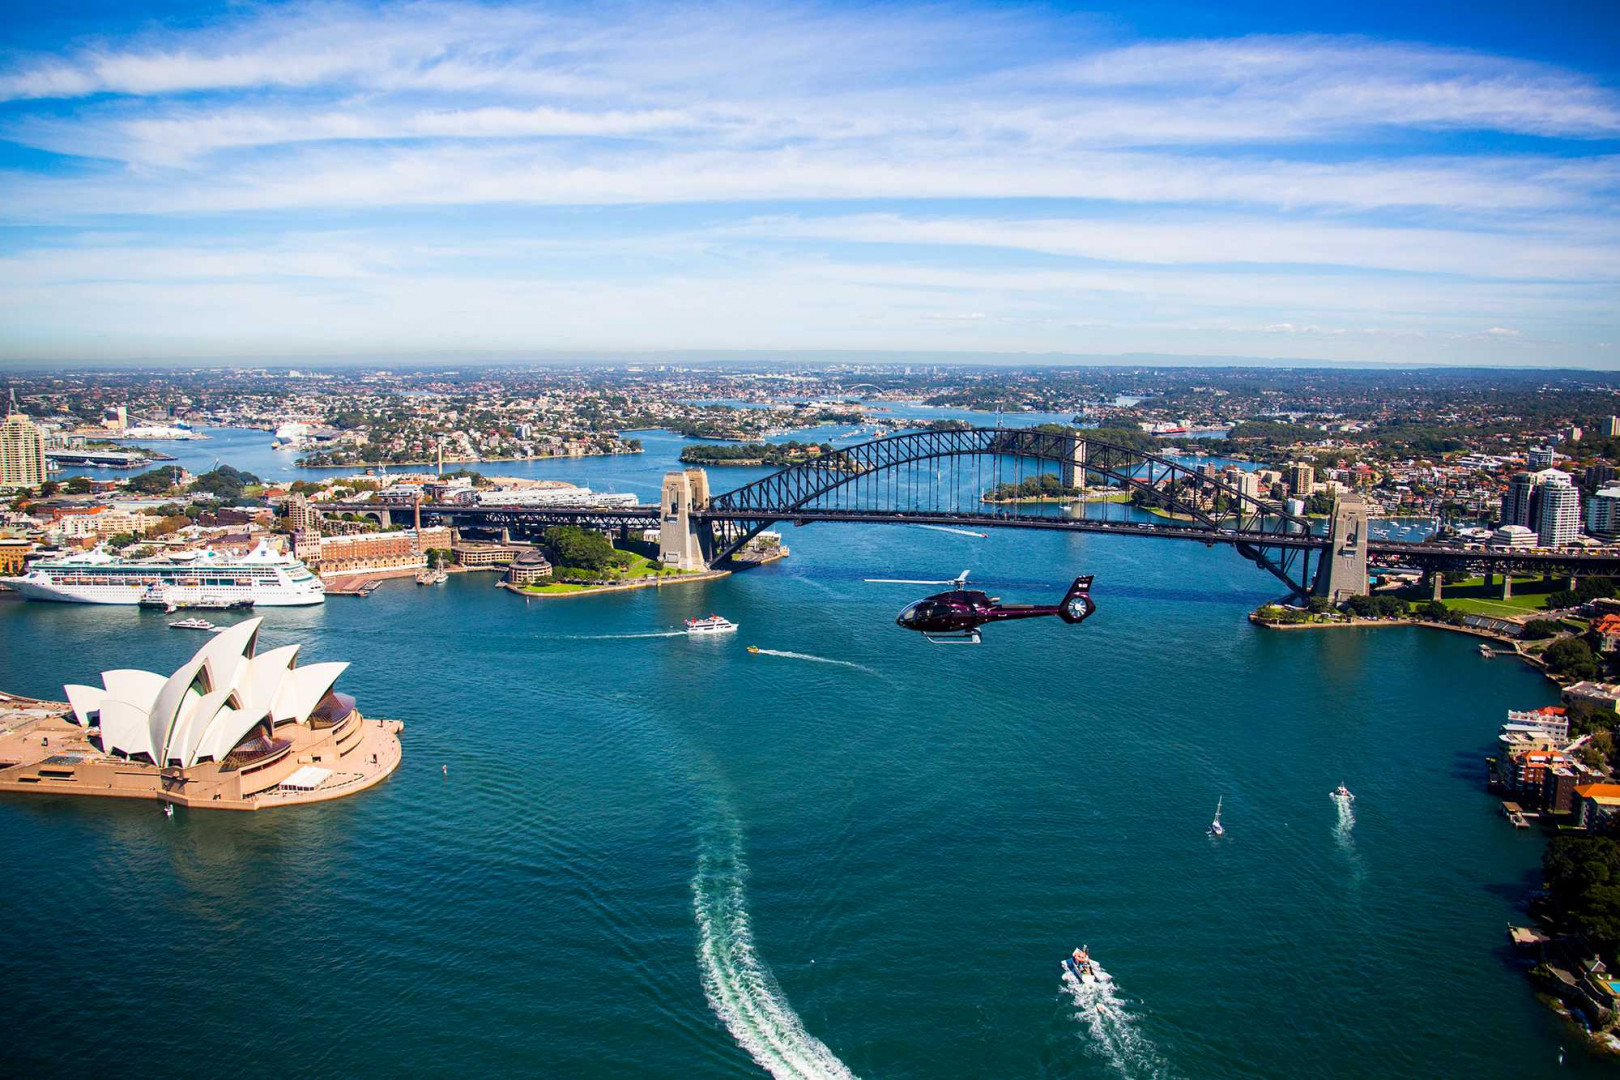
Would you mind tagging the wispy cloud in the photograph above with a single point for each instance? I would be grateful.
(860, 159)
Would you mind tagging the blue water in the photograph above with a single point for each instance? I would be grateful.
(858, 852)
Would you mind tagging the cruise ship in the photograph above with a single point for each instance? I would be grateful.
(264, 576)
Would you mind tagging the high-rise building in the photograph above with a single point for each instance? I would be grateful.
(1611, 427)
(1598, 476)
(1539, 457)
(22, 451)
(1518, 502)
(1301, 479)
(1603, 512)
(300, 514)
(1558, 517)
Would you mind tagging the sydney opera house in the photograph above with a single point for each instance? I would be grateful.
(233, 728)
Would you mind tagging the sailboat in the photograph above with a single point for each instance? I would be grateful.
(1215, 827)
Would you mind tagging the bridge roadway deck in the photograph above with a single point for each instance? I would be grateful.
(632, 516)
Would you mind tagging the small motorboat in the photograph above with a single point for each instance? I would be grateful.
(753, 648)
(714, 624)
(168, 809)
(1341, 794)
(1215, 827)
(1078, 966)
(192, 624)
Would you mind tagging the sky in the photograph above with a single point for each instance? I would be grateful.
(1384, 182)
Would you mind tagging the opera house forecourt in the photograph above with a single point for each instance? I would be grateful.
(232, 729)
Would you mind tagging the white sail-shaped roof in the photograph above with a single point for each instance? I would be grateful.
(209, 705)
(303, 689)
(85, 700)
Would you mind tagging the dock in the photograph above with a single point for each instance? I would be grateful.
(1516, 814)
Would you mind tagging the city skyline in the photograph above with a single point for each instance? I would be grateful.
(198, 184)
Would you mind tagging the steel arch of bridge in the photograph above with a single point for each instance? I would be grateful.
(880, 475)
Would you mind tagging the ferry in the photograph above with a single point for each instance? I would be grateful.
(714, 624)
(263, 577)
(192, 624)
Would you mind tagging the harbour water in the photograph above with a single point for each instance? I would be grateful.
(666, 857)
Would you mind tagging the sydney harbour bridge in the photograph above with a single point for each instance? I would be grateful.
(942, 477)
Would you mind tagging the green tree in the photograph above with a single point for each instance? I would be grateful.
(1561, 599)
(1571, 657)
(1594, 588)
(576, 548)
(51, 487)
(78, 485)
(1537, 629)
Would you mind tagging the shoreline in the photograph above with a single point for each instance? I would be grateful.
(471, 461)
(657, 582)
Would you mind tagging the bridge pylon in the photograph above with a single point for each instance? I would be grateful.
(1343, 573)
(1073, 465)
(684, 542)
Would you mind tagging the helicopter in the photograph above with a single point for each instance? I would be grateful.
(954, 618)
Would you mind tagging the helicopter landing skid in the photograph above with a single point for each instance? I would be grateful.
(971, 637)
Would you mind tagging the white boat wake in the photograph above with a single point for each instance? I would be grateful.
(1114, 1034)
(958, 532)
(816, 659)
(615, 637)
(738, 984)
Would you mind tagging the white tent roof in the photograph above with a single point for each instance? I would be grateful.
(307, 778)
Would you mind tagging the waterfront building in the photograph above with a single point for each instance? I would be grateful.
(475, 555)
(1558, 791)
(14, 552)
(557, 498)
(1596, 805)
(22, 451)
(1603, 512)
(1558, 517)
(529, 568)
(1540, 457)
(1550, 720)
(402, 550)
(1528, 774)
(232, 728)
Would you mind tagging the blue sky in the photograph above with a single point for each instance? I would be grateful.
(1387, 182)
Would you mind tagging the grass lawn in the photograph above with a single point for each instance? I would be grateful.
(1474, 597)
(639, 568)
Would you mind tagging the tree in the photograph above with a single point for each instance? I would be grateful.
(1583, 881)
(224, 483)
(1594, 588)
(1563, 598)
(574, 547)
(1537, 629)
(157, 482)
(78, 485)
(51, 487)
(1571, 657)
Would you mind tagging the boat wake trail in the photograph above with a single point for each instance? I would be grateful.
(958, 532)
(614, 637)
(1115, 1036)
(1344, 835)
(816, 659)
(740, 988)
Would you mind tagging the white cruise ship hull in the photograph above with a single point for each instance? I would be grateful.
(131, 594)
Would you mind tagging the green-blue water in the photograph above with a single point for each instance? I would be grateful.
(654, 856)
